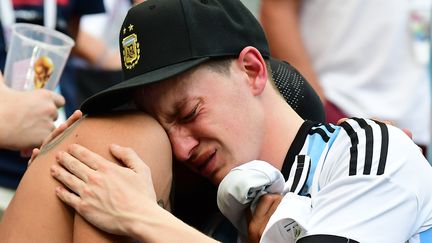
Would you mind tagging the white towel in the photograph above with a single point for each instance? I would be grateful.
(243, 186)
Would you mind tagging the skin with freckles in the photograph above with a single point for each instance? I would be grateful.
(37, 215)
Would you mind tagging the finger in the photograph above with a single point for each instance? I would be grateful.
(73, 165)
(73, 118)
(257, 220)
(128, 157)
(57, 131)
(67, 179)
(86, 156)
(262, 207)
(275, 204)
(267, 204)
(58, 99)
(341, 120)
(35, 153)
(407, 132)
(68, 197)
(388, 122)
(54, 116)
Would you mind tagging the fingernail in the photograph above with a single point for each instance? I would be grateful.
(58, 190)
(53, 170)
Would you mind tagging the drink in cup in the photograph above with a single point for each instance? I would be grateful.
(36, 57)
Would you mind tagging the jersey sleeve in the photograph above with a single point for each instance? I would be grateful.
(372, 186)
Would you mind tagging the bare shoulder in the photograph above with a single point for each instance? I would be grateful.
(133, 124)
(35, 206)
(133, 129)
(130, 129)
(128, 122)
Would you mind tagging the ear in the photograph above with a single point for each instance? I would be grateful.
(252, 63)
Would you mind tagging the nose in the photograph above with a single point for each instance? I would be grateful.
(182, 143)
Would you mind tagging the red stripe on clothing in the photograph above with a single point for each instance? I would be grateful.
(18, 3)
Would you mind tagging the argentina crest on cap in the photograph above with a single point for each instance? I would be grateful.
(131, 47)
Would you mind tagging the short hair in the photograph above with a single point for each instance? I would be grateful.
(222, 65)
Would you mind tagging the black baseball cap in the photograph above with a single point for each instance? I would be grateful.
(160, 39)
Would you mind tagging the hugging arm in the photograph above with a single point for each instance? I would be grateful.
(36, 214)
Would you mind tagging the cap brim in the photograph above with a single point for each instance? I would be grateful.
(121, 93)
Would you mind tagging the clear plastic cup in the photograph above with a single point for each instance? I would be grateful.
(36, 57)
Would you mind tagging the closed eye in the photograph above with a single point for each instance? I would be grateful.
(190, 116)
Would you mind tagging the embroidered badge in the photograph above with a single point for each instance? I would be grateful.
(131, 48)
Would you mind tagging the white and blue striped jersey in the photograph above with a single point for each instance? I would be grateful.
(366, 181)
